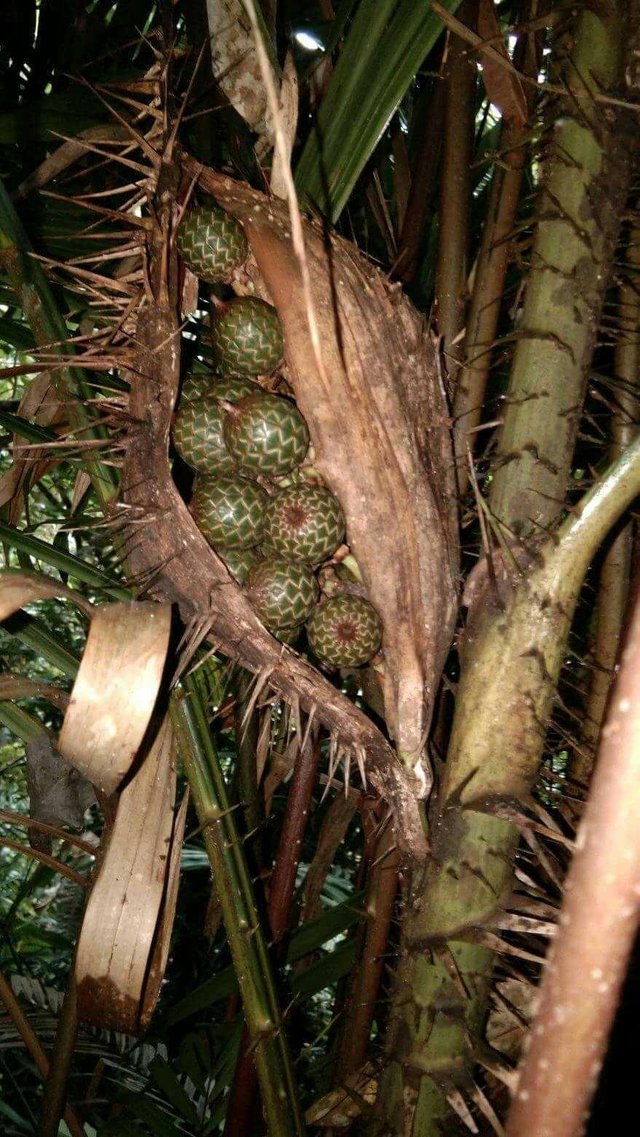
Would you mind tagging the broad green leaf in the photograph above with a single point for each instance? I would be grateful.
(8, 1112)
(41, 120)
(17, 425)
(32, 632)
(387, 42)
(167, 1080)
(64, 562)
(19, 722)
(327, 970)
(16, 334)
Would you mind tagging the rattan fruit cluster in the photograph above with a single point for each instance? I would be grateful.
(242, 440)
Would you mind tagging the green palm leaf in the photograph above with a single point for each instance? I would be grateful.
(386, 45)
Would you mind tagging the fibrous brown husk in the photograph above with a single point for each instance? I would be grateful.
(380, 432)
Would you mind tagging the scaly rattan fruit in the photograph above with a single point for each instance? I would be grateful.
(304, 523)
(239, 562)
(211, 243)
(197, 427)
(247, 337)
(196, 384)
(229, 512)
(282, 593)
(266, 433)
(344, 631)
(288, 636)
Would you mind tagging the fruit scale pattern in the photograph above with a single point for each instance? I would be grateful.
(244, 444)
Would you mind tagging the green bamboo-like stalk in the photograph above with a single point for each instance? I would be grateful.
(49, 330)
(514, 648)
(507, 687)
(455, 194)
(386, 44)
(580, 206)
(242, 924)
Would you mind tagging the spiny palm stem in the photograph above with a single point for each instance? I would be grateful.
(514, 646)
(613, 585)
(455, 198)
(242, 924)
(48, 327)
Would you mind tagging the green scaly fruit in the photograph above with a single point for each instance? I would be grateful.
(229, 512)
(240, 562)
(344, 631)
(197, 426)
(304, 523)
(282, 593)
(287, 636)
(196, 384)
(266, 433)
(211, 243)
(247, 337)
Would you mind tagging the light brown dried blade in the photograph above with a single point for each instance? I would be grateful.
(123, 916)
(115, 690)
(20, 588)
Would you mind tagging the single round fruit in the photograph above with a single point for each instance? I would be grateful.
(211, 243)
(287, 636)
(247, 337)
(282, 594)
(198, 438)
(229, 512)
(344, 631)
(196, 384)
(197, 425)
(266, 433)
(239, 562)
(304, 523)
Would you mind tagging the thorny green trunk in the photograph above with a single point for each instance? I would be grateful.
(578, 216)
(514, 649)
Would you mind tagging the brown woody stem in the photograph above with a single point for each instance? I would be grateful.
(586, 966)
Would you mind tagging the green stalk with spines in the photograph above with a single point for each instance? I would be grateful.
(241, 920)
(49, 330)
(514, 649)
(507, 687)
(581, 199)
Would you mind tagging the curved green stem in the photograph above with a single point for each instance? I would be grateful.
(242, 924)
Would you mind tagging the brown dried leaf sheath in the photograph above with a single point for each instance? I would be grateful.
(115, 690)
(382, 442)
(380, 432)
(123, 944)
